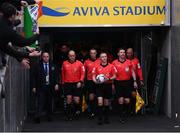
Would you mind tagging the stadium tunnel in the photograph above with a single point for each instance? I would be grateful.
(150, 46)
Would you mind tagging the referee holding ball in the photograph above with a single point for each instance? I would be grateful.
(104, 87)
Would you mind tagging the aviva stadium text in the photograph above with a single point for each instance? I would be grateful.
(119, 10)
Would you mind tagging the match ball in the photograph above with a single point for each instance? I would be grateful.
(100, 78)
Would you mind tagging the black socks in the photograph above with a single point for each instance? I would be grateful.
(92, 106)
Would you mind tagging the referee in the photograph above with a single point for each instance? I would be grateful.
(138, 71)
(73, 73)
(104, 90)
(89, 64)
(123, 83)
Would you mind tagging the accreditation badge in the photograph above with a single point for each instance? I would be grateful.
(47, 79)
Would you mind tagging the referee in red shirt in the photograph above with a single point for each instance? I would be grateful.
(123, 83)
(89, 64)
(73, 73)
(104, 90)
(138, 71)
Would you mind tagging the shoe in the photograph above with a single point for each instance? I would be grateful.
(106, 120)
(132, 113)
(69, 119)
(77, 115)
(91, 116)
(100, 122)
(122, 121)
(37, 120)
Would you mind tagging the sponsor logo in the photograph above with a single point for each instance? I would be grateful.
(58, 12)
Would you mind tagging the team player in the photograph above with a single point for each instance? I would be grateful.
(123, 83)
(73, 73)
(103, 90)
(138, 71)
(90, 85)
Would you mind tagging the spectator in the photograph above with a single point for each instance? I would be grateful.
(7, 34)
(61, 54)
(19, 3)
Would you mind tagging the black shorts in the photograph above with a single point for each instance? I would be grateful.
(90, 86)
(123, 88)
(71, 89)
(104, 90)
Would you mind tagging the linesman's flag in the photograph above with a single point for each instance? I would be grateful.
(139, 102)
(84, 104)
(31, 15)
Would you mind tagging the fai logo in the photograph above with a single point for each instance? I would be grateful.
(127, 69)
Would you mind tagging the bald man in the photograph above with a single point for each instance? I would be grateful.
(136, 65)
(73, 73)
(138, 71)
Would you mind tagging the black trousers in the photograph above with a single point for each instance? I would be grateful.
(44, 101)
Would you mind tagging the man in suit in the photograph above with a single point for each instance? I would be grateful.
(45, 82)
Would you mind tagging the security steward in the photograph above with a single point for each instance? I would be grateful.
(45, 81)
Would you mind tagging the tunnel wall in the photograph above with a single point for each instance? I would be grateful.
(175, 40)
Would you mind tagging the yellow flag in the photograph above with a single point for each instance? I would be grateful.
(139, 102)
(84, 104)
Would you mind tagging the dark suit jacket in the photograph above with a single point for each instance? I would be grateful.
(39, 77)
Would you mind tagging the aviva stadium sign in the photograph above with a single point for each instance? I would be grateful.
(62, 13)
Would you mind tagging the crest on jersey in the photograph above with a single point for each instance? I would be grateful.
(127, 69)
(67, 65)
(74, 70)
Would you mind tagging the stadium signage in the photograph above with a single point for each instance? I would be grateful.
(104, 12)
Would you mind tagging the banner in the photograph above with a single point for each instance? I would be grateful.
(104, 13)
(31, 14)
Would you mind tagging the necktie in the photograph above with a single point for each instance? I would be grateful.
(46, 68)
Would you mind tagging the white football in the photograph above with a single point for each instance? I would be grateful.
(100, 78)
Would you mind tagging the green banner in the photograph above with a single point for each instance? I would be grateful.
(28, 25)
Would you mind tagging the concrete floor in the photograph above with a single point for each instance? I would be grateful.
(140, 123)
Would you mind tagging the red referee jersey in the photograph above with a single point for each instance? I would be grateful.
(137, 68)
(72, 72)
(108, 70)
(123, 70)
(89, 65)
